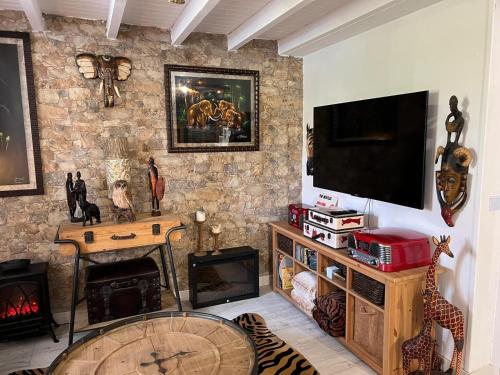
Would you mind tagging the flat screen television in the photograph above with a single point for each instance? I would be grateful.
(373, 148)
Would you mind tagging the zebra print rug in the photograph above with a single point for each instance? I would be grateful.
(275, 356)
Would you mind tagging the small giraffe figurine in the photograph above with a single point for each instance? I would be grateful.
(420, 347)
(439, 309)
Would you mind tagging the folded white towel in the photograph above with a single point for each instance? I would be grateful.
(305, 284)
(305, 304)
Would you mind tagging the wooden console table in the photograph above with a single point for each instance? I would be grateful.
(80, 242)
(374, 333)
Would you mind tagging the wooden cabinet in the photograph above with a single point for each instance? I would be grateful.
(374, 333)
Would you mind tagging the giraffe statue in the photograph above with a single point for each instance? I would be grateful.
(420, 347)
(439, 309)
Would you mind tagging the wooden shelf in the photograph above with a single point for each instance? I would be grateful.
(377, 336)
(339, 283)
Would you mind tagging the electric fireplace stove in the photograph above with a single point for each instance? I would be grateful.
(24, 303)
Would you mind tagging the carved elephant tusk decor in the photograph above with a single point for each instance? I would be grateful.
(109, 69)
(451, 180)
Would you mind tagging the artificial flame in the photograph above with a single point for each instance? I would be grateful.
(21, 307)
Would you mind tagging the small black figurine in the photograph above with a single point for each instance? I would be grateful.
(90, 210)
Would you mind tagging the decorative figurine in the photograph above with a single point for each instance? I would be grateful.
(108, 69)
(216, 231)
(157, 187)
(71, 198)
(122, 201)
(310, 151)
(440, 310)
(420, 347)
(451, 180)
(200, 219)
(90, 210)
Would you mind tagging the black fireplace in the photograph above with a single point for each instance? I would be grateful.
(24, 303)
(230, 276)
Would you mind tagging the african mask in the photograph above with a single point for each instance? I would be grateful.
(451, 180)
(108, 69)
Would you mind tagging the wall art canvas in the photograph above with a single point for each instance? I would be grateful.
(212, 109)
(20, 162)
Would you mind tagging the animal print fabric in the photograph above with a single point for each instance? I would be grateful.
(275, 356)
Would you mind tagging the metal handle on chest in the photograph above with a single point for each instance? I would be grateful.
(124, 284)
(114, 237)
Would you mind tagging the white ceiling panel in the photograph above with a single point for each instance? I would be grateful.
(304, 17)
(10, 4)
(89, 9)
(158, 13)
(229, 14)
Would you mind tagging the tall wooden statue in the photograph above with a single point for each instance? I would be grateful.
(156, 186)
(451, 180)
(437, 308)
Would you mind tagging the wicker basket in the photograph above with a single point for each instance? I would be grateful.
(285, 244)
(371, 289)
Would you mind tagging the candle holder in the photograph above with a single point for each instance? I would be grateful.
(216, 244)
(199, 252)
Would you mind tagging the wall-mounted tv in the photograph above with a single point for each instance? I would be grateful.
(373, 148)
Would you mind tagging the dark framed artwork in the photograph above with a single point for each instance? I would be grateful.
(20, 162)
(212, 109)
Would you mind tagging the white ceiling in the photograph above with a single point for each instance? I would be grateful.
(299, 26)
(229, 14)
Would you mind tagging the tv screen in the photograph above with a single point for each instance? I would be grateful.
(373, 148)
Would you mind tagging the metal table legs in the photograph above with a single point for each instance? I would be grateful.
(76, 274)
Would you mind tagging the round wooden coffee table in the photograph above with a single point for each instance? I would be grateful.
(162, 343)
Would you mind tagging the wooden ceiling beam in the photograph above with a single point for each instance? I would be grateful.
(355, 17)
(270, 15)
(33, 12)
(191, 16)
(115, 16)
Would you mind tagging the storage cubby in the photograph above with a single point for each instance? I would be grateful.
(382, 309)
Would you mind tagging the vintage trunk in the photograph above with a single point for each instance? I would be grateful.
(121, 289)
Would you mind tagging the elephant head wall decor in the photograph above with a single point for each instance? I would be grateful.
(451, 180)
(108, 69)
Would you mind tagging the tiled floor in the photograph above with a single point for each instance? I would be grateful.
(324, 352)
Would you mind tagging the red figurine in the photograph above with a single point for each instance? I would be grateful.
(157, 187)
(439, 309)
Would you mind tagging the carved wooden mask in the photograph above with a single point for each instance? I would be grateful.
(451, 180)
(108, 69)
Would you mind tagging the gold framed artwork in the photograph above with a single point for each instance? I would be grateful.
(212, 109)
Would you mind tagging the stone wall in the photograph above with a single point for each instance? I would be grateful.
(243, 191)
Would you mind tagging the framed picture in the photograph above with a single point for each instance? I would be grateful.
(20, 162)
(212, 109)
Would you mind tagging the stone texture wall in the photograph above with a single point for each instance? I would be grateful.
(243, 191)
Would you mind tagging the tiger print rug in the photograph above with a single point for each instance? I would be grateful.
(275, 356)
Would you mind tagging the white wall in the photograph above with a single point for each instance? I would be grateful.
(444, 49)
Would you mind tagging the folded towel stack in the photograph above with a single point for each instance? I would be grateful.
(304, 291)
(330, 313)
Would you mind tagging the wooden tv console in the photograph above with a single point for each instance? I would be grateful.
(374, 333)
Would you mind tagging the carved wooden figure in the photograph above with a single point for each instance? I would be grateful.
(440, 310)
(420, 347)
(451, 180)
(156, 186)
(108, 69)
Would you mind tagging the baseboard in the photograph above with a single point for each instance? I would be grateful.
(63, 317)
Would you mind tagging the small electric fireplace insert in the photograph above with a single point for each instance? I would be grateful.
(24, 302)
(230, 276)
